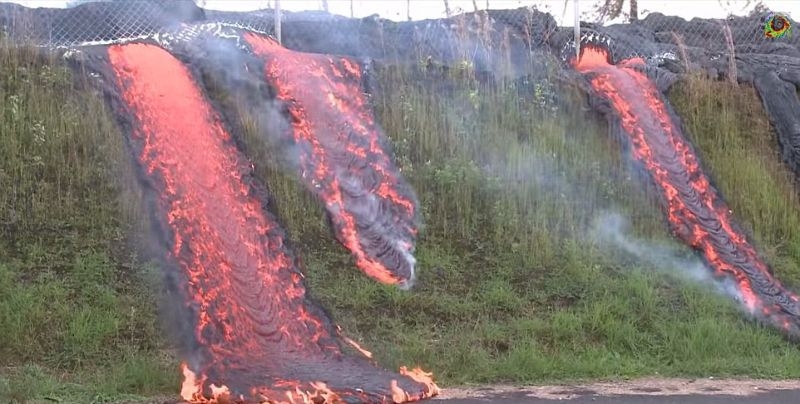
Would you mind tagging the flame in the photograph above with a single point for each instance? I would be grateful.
(422, 377)
(419, 376)
(354, 344)
(695, 210)
(358, 347)
(191, 388)
(255, 333)
(342, 160)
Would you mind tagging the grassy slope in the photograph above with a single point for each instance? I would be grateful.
(511, 289)
(70, 302)
(506, 293)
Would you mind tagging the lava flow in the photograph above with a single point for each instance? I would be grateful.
(696, 212)
(373, 211)
(257, 337)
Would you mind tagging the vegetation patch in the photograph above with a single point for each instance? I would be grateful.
(514, 284)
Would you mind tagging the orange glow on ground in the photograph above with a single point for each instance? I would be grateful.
(696, 213)
(254, 324)
(341, 149)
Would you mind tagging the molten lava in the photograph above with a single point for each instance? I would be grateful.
(342, 158)
(696, 212)
(257, 336)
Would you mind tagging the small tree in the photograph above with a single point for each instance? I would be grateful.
(759, 9)
(610, 9)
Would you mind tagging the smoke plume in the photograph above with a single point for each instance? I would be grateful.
(612, 230)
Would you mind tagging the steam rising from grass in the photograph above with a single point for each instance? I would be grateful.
(612, 230)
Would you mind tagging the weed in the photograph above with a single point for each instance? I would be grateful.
(71, 302)
(512, 288)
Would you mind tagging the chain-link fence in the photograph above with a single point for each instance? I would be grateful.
(108, 21)
(659, 22)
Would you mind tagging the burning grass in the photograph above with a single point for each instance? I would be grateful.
(509, 288)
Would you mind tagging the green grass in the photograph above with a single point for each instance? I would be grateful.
(513, 287)
(74, 307)
(740, 151)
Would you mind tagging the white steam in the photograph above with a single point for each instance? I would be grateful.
(612, 230)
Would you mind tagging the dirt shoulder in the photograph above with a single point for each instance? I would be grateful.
(637, 387)
(644, 386)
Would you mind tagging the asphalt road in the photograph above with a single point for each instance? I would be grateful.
(642, 391)
(769, 397)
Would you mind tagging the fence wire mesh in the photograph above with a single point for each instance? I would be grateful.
(104, 21)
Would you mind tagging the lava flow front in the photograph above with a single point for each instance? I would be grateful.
(257, 337)
(696, 212)
(342, 160)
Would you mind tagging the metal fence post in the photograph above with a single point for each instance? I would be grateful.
(278, 21)
(131, 22)
(577, 30)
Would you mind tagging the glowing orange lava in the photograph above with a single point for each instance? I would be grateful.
(257, 338)
(695, 211)
(342, 159)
